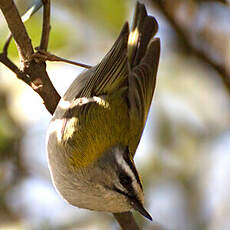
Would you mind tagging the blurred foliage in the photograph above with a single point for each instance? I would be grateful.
(111, 14)
(57, 37)
(108, 14)
(11, 166)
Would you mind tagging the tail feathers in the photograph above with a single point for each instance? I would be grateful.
(152, 55)
(144, 27)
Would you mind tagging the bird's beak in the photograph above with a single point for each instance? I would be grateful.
(139, 207)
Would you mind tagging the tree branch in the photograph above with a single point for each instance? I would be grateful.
(46, 25)
(17, 29)
(8, 63)
(7, 43)
(126, 221)
(42, 55)
(32, 73)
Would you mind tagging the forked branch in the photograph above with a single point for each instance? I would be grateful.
(32, 73)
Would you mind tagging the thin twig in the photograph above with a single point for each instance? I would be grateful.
(7, 43)
(73, 62)
(46, 25)
(126, 221)
(225, 2)
(24, 18)
(46, 56)
(8, 63)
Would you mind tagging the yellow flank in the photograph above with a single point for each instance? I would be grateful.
(96, 127)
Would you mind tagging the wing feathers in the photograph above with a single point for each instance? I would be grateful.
(112, 71)
(144, 27)
(142, 81)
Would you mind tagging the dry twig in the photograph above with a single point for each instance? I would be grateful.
(46, 56)
(46, 25)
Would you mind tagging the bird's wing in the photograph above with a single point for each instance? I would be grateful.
(144, 27)
(142, 81)
(112, 72)
(107, 76)
(110, 75)
(143, 56)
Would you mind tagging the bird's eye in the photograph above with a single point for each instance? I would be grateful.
(125, 180)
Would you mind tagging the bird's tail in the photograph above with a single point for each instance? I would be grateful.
(144, 27)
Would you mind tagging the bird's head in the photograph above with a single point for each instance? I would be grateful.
(117, 182)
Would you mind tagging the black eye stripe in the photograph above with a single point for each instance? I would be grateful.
(123, 193)
(119, 191)
(126, 181)
(132, 167)
(124, 178)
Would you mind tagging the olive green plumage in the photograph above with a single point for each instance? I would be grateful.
(105, 109)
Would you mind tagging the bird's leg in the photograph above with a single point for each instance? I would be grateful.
(42, 55)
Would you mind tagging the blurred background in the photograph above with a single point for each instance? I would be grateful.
(184, 155)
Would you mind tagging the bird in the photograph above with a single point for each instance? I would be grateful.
(97, 126)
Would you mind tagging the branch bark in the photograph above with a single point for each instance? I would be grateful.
(8, 63)
(17, 29)
(46, 25)
(46, 56)
(126, 221)
(32, 73)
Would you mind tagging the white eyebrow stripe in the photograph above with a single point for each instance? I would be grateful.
(125, 166)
